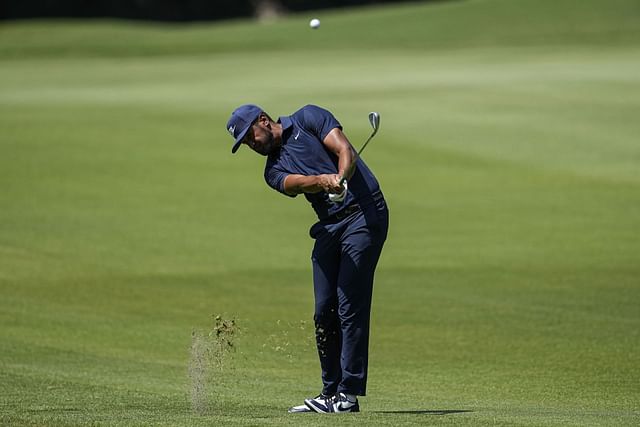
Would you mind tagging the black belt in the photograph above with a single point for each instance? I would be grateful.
(340, 215)
(355, 207)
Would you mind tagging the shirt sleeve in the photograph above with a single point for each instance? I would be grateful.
(319, 121)
(275, 178)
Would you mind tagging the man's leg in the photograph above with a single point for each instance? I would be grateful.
(361, 248)
(325, 259)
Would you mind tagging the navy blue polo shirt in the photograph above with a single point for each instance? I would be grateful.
(303, 153)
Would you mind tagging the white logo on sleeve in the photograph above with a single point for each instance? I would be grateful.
(297, 135)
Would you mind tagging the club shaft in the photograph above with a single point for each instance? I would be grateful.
(352, 166)
(374, 119)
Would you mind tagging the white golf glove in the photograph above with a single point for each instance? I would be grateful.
(339, 198)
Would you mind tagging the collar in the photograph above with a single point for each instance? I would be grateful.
(286, 122)
(287, 128)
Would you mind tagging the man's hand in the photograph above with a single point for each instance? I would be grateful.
(330, 183)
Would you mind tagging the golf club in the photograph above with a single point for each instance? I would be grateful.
(374, 120)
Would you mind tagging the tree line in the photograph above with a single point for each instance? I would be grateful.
(167, 10)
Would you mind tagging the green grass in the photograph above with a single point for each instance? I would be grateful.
(509, 288)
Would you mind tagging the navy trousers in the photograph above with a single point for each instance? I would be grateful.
(344, 259)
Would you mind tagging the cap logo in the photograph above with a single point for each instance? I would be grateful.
(232, 129)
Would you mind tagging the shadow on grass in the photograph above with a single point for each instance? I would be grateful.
(426, 412)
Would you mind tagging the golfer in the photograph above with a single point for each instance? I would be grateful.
(307, 153)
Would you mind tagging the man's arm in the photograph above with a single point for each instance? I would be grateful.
(296, 184)
(338, 144)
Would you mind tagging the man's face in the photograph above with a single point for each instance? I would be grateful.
(260, 137)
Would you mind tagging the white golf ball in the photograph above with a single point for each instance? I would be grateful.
(314, 23)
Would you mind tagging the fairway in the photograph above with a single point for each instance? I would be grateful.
(508, 292)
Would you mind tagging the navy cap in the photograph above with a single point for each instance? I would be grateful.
(240, 122)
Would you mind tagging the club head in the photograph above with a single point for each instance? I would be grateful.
(374, 119)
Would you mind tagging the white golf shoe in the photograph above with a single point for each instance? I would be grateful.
(345, 403)
(329, 404)
(321, 403)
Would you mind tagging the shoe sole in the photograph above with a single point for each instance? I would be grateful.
(331, 410)
(346, 411)
(302, 409)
